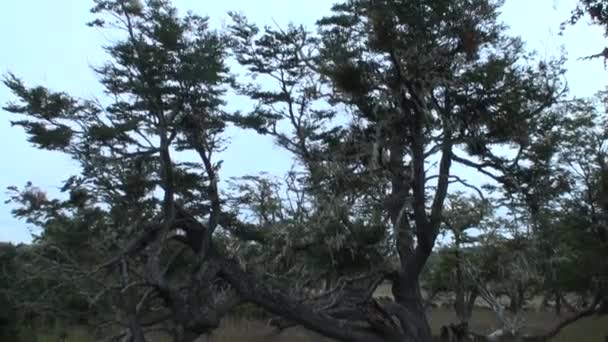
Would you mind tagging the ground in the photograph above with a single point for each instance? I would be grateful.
(592, 329)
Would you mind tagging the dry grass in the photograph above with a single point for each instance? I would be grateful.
(239, 330)
(591, 329)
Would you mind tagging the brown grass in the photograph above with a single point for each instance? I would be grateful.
(239, 330)
(587, 330)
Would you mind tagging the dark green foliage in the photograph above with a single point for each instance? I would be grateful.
(48, 108)
(165, 79)
(9, 313)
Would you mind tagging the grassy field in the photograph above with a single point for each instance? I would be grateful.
(232, 330)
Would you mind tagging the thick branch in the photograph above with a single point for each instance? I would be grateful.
(442, 188)
(253, 290)
(477, 166)
(592, 309)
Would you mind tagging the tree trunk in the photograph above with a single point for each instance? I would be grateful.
(460, 306)
(182, 333)
(516, 299)
(407, 293)
(558, 303)
(470, 305)
(135, 330)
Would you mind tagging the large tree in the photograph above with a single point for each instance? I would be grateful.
(367, 106)
(416, 83)
(132, 200)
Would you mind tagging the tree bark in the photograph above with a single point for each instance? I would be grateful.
(137, 334)
(275, 301)
(558, 303)
(407, 294)
(462, 306)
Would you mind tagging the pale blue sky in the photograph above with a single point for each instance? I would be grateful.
(46, 42)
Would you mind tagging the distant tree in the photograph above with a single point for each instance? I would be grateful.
(461, 215)
(545, 252)
(584, 206)
(9, 313)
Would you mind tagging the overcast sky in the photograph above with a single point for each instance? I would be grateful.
(47, 43)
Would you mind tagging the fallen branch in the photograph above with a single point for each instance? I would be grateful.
(279, 303)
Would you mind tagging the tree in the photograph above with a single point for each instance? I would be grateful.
(461, 214)
(9, 318)
(545, 252)
(417, 81)
(384, 89)
(164, 84)
(584, 204)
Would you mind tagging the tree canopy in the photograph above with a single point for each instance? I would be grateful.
(376, 107)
